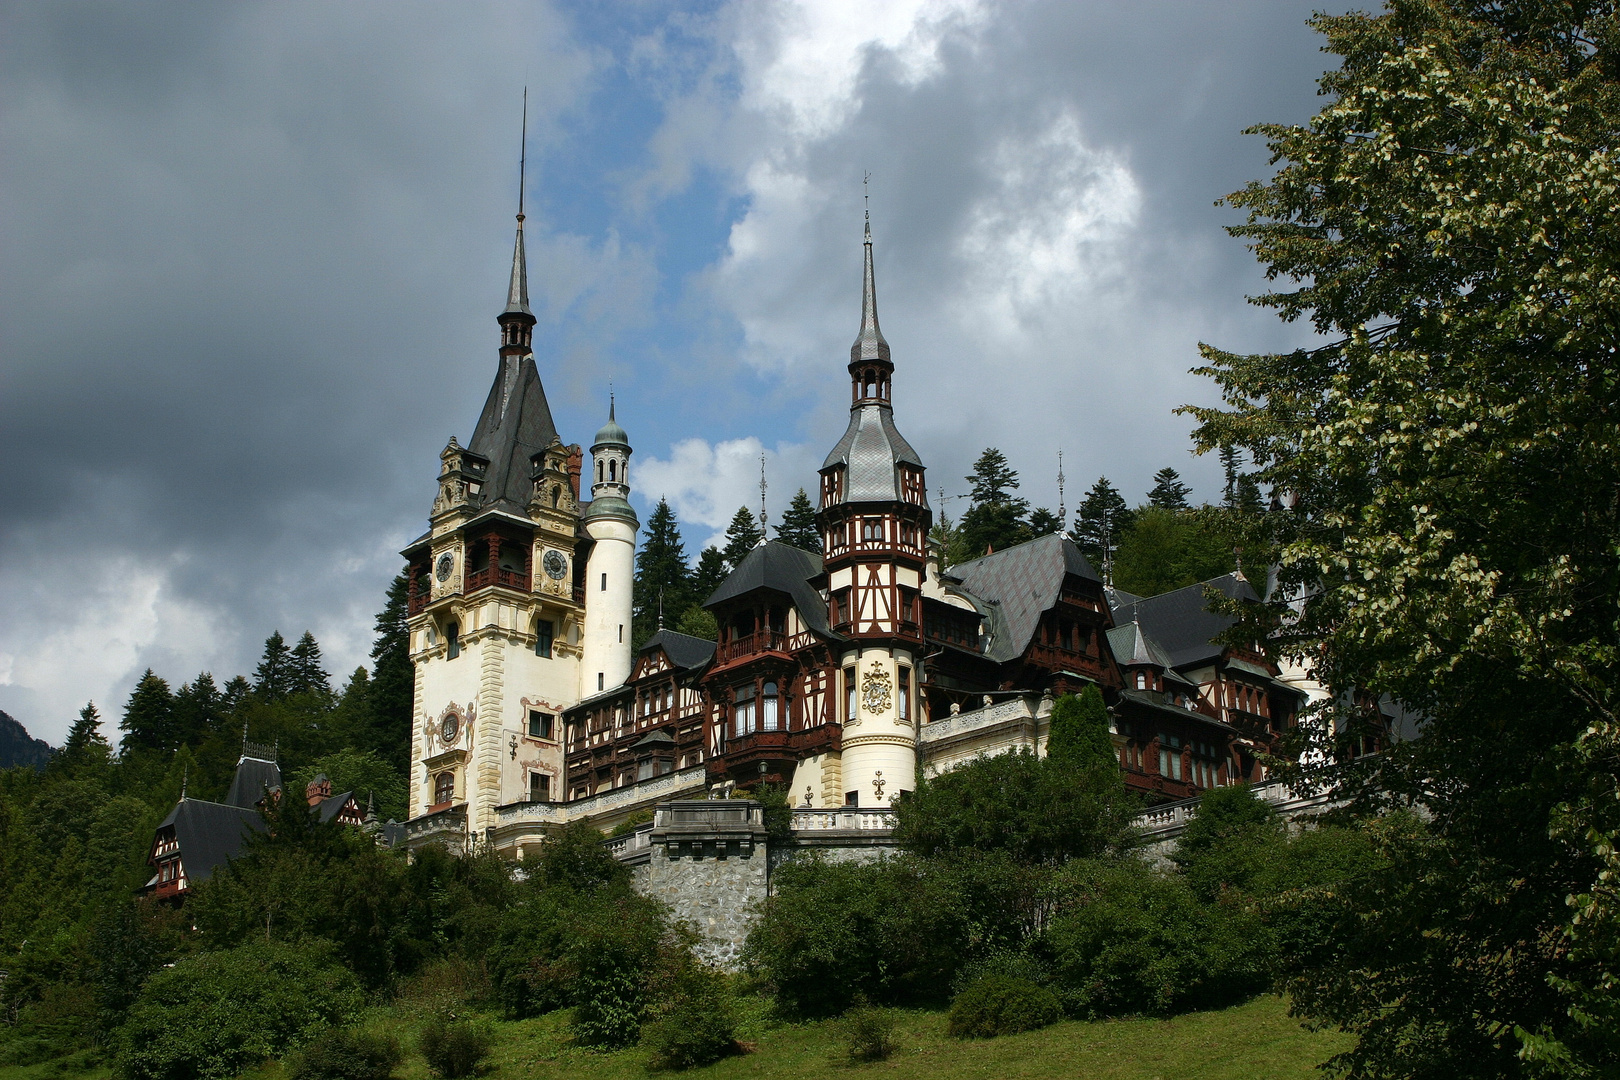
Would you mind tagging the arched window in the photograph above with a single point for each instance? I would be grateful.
(613, 471)
(598, 472)
(768, 710)
(742, 711)
(444, 788)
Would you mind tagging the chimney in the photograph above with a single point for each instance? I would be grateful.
(318, 789)
(576, 462)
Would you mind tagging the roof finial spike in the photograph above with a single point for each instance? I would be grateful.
(185, 781)
(866, 197)
(517, 292)
(764, 533)
(1063, 513)
(610, 399)
(523, 151)
(660, 607)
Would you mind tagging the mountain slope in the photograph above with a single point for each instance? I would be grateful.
(17, 747)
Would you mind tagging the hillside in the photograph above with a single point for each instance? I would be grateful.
(17, 747)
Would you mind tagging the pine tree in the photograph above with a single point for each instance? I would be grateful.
(392, 687)
(711, 571)
(237, 690)
(306, 674)
(997, 517)
(273, 676)
(663, 586)
(1231, 461)
(198, 710)
(742, 536)
(85, 747)
(798, 524)
(149, 715)
(1101, 520)
(1042, 522)
(1169, 493)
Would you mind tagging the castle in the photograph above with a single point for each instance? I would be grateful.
(840, 676)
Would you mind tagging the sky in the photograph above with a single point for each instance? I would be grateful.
(251, 257)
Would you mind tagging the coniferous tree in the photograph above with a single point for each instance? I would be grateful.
(198, 710)
(237, 690)
(663, 584)
(149, 715)
(1169, 493)
(1042, 522)
(798, 524)
(392, 685)
(1231, 461)
(742, 536)
(1101, 520)
(996, 518)
(1079, 737)
(711, 571)
(86, 747)
(273, 677)
(306, 672)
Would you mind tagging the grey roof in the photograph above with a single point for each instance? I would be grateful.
(1019, 584)
(656, 737)
(329, 808)
(1132, 647)
(784, 568)
(515, 425)
(1181, 621)
(869, 343)
(611, 433)
(610, 506)
(254, 776)
(210, 834)
(517, 292)
(684, 650)
(870, 449)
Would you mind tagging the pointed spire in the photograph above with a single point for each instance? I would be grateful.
(517, 293)
(869, 344)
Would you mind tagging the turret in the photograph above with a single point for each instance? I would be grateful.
(610, 572)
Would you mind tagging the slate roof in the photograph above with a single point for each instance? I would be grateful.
(210, 834)
(1132, 647)
(684, 650)
(515, 425)
(254, 776)
(329, 808)
(1019, 584)
(784, 568)
(869, 451)
(1180, 621)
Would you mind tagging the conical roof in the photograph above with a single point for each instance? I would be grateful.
(869, 343)
(611, 434)
(517, 292)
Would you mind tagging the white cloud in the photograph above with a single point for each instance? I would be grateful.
(706, 482)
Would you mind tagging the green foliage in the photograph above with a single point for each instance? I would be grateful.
(272, 679)
(456, 1046)
(1042, 522)
(777, 811)
(1169, 549)
(215, 1014)
(306, 671)
(631, 823)
(997, 517)
(1125, 939)
(365, 772)
(711, 571)
(147, 723)
(868, 1035)
(1168, 493)
(1037, 810)
(1444, 225)
(699, 623)
(797, 525)
(1078, 737)
(574, 858)
(663, 580)
(1100, 522)
(614, 948)
(695, 1023)
(742, 536)
(391, 688)
(346, 1054)
(1002, 1005)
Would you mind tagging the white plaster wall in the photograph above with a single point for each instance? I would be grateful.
(607, 611)
(878, 746)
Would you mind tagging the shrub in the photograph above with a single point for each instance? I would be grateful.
(346, 1054)
(212, 1015)
(868, 1034)
(616, 944)
(696, 1025)
(1004, 964)
(1002, 1005)
(455, 1047)
(631, 823)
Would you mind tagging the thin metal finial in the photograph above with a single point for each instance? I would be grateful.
(764, 533)
(660, 607)
(523, 151)
(1063, 513)
(185, 780)
(610, 399)
(866, 197)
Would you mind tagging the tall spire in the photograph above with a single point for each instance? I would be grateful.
(869, 344)
(517, 293)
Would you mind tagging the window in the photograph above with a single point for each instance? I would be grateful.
(613, 471)
(742, 711)
(768, 704)
(542, 637)
(1141, 680)
(1164, 761)
(539, 786)
(540, 724)
(452, 641)
(604, 583)
(871, 530)
(904, 697)
(599, 681)
(849, 694)
(852, 798)
(444, 788)
(621, 633)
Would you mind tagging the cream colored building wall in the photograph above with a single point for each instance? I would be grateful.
(879, 758)
(607, 611)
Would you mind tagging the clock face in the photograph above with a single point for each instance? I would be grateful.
(446, 563)
(448, 729)
(556, 566)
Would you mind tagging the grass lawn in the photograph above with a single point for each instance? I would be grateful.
(1255, 1041)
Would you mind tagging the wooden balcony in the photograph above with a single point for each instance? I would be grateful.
(760, 641)
(495, 575)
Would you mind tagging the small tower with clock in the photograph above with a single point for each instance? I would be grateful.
(497, 608)
(874, 522)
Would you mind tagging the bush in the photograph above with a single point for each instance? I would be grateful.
(212, 1015)
(1004, 964)
(868, 1034)
(696, 1025)
(1002, 1005)
(616, 945)
(455, 1047)
(346, 1054)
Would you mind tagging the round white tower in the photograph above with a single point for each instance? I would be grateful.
(610, 571)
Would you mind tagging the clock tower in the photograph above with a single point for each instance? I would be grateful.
(874, 522)
(497, 609)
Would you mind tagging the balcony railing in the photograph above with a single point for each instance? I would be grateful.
(418, 602)
(757, 642)
(843, 820)
(495, 575)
